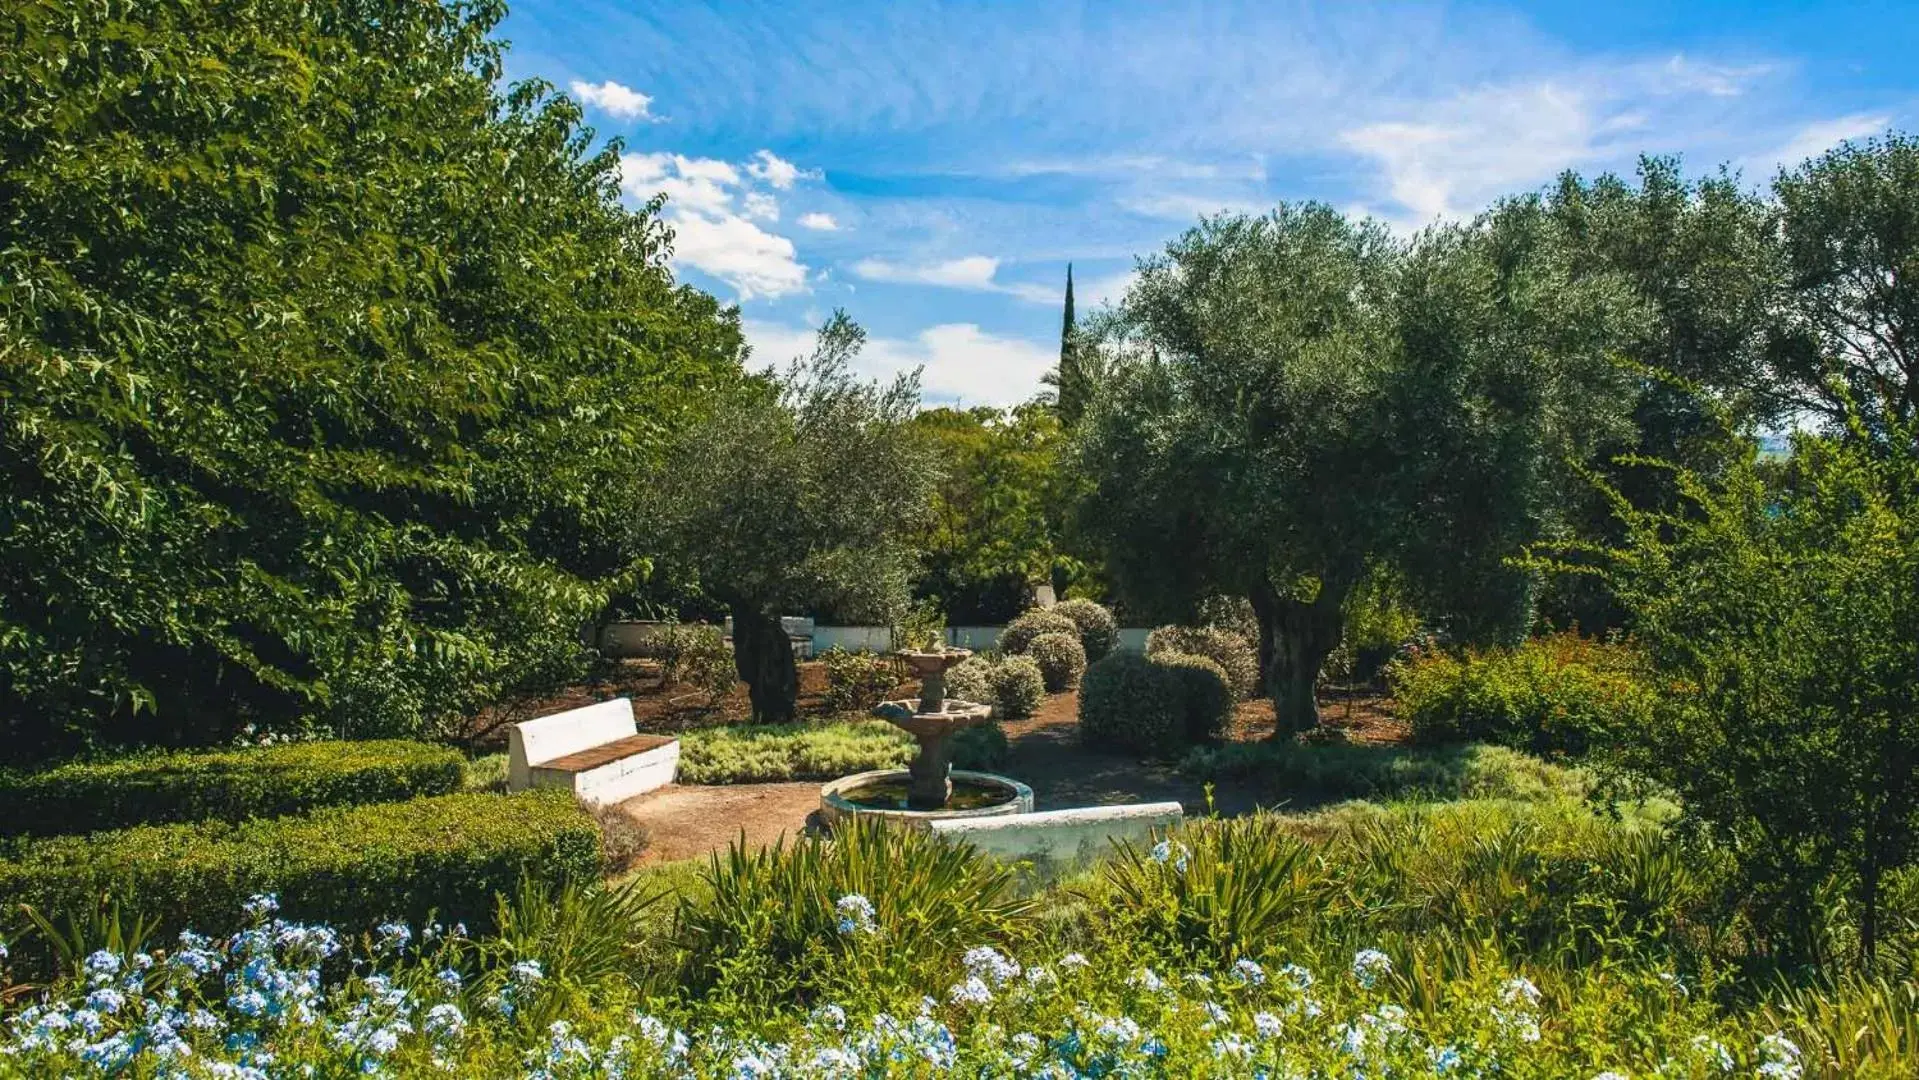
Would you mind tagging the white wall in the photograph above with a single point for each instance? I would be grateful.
(880, 639)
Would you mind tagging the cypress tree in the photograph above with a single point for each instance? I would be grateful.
(1068, 379)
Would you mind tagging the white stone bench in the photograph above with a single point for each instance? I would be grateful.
(1062, 837)
(595, 752)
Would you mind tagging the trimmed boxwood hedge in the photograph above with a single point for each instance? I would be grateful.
(222, 785)
(349, 866)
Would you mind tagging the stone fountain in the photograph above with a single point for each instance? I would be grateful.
(929, 787)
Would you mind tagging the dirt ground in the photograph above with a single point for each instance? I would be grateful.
(686, 821)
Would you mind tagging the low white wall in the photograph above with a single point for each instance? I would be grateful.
(1062, 837)
(877, 639)
(972, 637)
(880, 639)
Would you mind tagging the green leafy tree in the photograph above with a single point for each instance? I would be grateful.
(1000, 514)
(1849, 223)
(1702, 256)
(319, 353)
(1781, 616)
(1298, 400)
(802, 492)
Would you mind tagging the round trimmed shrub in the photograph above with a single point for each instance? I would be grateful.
(1129, 701)
(980, 747)
(1235, 654)
(1206, 696)
(971, 680)
(1061, 660)
(1098, 630)
(1018, 687)
(1019, 634)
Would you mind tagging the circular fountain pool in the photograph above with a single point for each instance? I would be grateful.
(884, 793)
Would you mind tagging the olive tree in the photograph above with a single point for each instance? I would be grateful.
(1298, 399)
(803, 491)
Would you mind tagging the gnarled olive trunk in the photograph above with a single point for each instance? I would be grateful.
(763, 655)
(1297, 637)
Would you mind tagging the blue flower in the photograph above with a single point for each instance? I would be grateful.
(1369, 965)
(856, 914)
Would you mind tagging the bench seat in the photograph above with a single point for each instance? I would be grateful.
(593, 752)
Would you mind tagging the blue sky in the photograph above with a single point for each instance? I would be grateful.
(933, 168)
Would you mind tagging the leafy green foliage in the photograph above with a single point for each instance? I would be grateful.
(1000, 515)
(1061, 660)
(1018, 687)
(764, 753)
(1848, 223)
(1549, 695)
(768, 925)
(1310, 772)
(1297, 400)
(1013, 685)
(800, 493)
(1779, 619)
(445, 853)
(1213, 889)
(857, 681)
(692, 654)
(227, 785)
(320, 358)
(1154, 705)
(1020, 634)
(1098, 629)
(1237, 656)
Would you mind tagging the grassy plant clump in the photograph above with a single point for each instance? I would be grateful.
(1321, 772)
(1549, 695)
(1098, 629)
(875, 906)
(1482, 939)
(1061, 660)
(818, 750)
(1020, 634)
(446, 853)
(222, 785)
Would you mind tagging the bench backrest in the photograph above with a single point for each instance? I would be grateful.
(572, 731)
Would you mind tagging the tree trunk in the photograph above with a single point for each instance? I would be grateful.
(1303, 635)
(763, 655)
(1265, 603)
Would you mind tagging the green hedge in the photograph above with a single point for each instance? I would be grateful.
(349, 866)
(225, 785)
(1551, 695)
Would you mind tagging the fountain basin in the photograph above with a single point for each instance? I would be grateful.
(884, 793)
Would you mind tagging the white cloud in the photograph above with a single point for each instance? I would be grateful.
(711, 210)
(1481, 143)
(614, 99)
(759, 204)
(773, 169)
(1447, 157)
(1111, 289)
(819, 222)
(1817, 138)
(961, 363)
(974, 273)
(1187, 206)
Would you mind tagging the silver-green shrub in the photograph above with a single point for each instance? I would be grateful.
(1019, 634)
(1098, 629)
(1061, 660)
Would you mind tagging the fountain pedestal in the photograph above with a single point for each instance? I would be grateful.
(933, 720)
